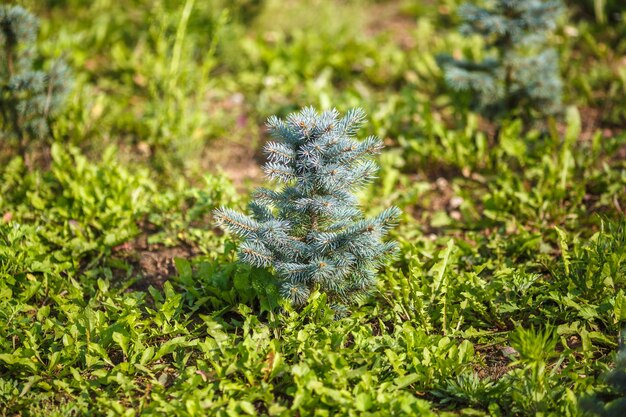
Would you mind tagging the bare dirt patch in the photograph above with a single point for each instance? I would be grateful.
(495, 363)
(238, 161)
(239, 155)
(154, 264)
(388, 18)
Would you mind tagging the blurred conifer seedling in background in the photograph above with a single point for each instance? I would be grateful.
(29, 97)
(312, 231)
(520, 75)
(610, 402)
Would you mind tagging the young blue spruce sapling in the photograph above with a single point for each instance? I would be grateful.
(29, 97)
(312, 231)
(520, 76)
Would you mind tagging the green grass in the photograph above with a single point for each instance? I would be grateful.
(119, 296)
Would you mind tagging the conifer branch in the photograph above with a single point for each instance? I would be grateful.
(236, 222)
(279, 152)
(281, 172)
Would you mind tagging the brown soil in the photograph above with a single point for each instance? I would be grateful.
(495, 363)
(154, 264)
(238, 156)
(238, 161)
(441, 197)
(591, 122)
(388, 18)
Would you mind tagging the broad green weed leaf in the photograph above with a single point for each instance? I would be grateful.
(14, 359)
(363, 401)
(405, 381)
(122, 340)
(147, 355)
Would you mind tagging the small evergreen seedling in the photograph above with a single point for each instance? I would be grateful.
(521, 75)
(312, 231)
(29, 98)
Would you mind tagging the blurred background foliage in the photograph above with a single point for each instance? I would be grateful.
(184, 73)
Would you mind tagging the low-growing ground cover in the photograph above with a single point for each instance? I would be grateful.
(119, 295)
